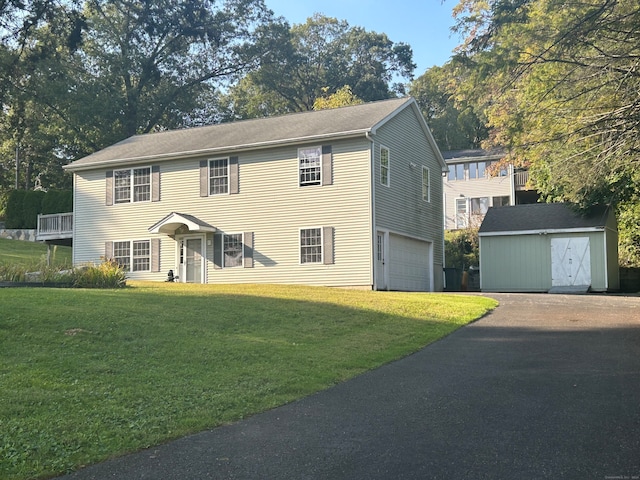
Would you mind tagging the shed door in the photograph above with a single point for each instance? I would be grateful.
(570, 262)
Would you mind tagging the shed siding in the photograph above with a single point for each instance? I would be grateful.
(400, 207)
(522, 263)
(270, 204)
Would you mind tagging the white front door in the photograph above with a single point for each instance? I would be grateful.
(381, 275)
(192, 259)
(570, 262)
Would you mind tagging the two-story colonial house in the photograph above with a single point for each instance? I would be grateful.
(347, 197)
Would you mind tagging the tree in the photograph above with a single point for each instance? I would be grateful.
(559, 83)
(318, 57)
(455, 124)
(78, 80)
(343, 97)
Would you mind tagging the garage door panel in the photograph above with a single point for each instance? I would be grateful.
(409, 267)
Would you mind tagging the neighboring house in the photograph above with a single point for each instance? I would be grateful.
(469, 190)
(346, 197)
(548, 247)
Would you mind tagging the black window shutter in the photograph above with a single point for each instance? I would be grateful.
(204, 178)
(327, 165)
(217, 251)
(234, 178)
(327, 245)
(109, 188)
(248, 249)
(155, 183)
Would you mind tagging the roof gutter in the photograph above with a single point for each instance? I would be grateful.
(209, 151)
(541, 232)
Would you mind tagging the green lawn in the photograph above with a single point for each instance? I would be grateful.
(31, 253)
(89, 374)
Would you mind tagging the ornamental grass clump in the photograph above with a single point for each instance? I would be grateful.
(108, 274)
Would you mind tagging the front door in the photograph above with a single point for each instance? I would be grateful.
(570, 262)
(192, 260)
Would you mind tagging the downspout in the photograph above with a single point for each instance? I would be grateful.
(373, 210)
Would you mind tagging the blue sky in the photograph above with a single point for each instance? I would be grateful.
(423, 24)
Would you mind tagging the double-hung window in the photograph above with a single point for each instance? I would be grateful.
(232, 250)
(311, 245)
(219, 176)
(426, 185)
(384, 166)
(133, 256)
(310, 166)
(132, 185)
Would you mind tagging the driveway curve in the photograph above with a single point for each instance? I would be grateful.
(544, 387)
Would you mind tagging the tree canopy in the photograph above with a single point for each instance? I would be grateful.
(318, 57)
(559, 82)
(77, 77)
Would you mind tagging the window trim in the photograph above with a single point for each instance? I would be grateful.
(242, 247)
(319, 181)
(132, 185)
(387, 167)
(227, 176)
(462, 219)
(321, 245)
(132, 256)
(426, 187)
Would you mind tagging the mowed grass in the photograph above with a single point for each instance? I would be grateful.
(90, 374)
(18, 252)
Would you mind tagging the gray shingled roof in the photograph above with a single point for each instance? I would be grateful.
(454, 156)
(247, 134)
(540, 217)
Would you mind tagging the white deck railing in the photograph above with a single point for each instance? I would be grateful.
(55, 226)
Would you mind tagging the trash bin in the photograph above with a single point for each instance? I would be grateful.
(452, 279)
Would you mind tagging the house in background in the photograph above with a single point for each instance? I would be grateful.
(547, 247)
(347, 197)
(469, 190)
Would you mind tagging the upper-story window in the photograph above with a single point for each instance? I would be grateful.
(219, 176)
(477, 170)
(426, 185)
(310, 166)
(456, 171)
(132, 185)
(384, 166)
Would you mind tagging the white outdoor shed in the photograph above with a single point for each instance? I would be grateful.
(547, 247)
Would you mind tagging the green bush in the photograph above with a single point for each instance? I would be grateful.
(57, 201)
(14, 209)
(31, 207)
(106, 275)
(461, 248)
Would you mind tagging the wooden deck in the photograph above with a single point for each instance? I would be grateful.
(57, 226)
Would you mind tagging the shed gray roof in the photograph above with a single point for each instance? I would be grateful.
(356, 120)
(541, 217)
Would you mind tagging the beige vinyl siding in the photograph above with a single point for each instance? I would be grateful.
(400, 208)
(522, 263)
(270, 203)
(472, 188)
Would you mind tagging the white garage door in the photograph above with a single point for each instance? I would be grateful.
(410, 264)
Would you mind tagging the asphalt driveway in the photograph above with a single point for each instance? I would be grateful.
(546, 386)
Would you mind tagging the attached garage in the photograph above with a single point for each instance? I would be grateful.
(548, 248)
(410, 264)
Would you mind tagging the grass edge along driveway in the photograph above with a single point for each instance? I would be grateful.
(90, 374)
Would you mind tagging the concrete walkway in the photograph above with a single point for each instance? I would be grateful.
(545, 387)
